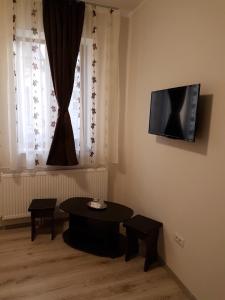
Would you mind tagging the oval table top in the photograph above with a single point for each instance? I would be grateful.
(114, 212)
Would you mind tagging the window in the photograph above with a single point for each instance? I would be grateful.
(37, 107)
(94, 104)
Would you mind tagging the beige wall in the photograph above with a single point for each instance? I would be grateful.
(174, 43)
(5, 39)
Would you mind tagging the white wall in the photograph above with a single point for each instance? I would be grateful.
(175, 43)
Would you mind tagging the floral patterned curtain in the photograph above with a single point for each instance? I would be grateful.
(102, 29)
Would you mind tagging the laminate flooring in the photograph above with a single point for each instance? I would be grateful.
(51, 270)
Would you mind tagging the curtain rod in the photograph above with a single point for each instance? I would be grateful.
(100, 5)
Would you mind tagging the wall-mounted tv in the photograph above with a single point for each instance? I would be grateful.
(173, 112)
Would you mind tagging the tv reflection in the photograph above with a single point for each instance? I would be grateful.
(176, 99)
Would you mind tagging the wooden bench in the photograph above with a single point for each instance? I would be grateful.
(140, 227)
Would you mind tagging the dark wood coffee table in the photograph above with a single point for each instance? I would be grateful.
(95, 231)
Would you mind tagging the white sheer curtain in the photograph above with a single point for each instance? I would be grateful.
(102, 27)
(32, 107)
(34, 96)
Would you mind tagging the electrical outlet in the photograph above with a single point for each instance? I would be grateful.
(179, 240)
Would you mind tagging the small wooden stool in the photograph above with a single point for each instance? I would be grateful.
(146, 229)
(42, 208)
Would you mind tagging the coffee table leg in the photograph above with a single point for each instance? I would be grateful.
(113, 237)
(33, 228)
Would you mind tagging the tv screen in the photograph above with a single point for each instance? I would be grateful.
(173, 112)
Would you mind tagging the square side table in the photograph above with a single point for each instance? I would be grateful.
(146, 229)
(42, 208)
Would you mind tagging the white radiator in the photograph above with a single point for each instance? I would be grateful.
(17, 190)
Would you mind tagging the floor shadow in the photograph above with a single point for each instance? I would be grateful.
(43, 225)
(202, 129)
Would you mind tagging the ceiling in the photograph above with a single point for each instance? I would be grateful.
(125, 5)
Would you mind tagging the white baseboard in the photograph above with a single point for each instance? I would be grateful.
(14, 222)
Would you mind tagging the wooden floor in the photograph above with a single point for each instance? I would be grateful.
(51, 270)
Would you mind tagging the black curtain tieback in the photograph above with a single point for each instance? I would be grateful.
(62, 111)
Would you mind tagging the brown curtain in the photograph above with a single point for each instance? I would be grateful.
(63, 23)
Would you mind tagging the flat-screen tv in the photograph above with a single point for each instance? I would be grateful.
(173, 112)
